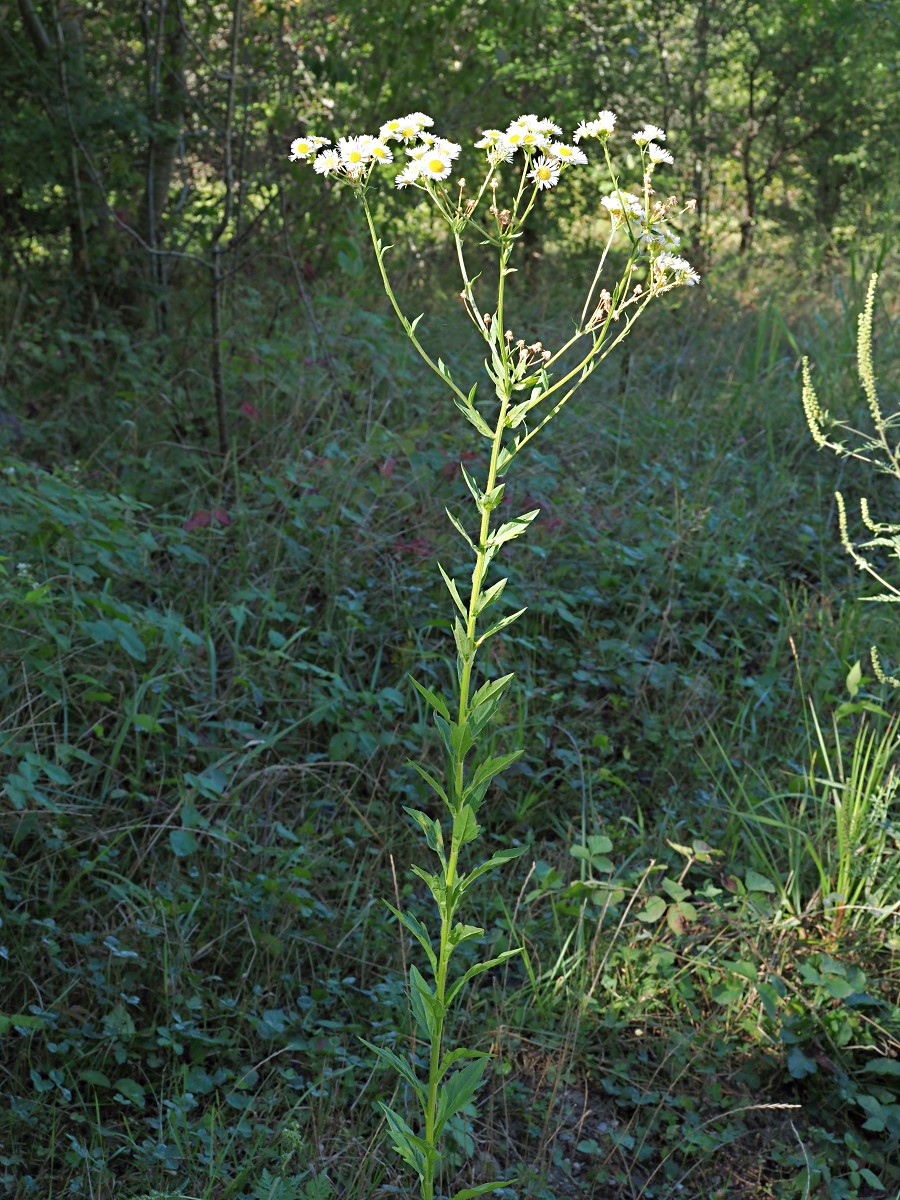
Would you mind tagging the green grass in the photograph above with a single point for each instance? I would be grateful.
(204, 733)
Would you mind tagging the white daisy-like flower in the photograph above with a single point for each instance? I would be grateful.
(650, 133)
(545, 173)
(390, 130)
(380, 152)
(515, 136)
(451, 149)
(567, 154)
(680, 268)
(328, 162)
(421, 119)
(489, 138)
(434, 165)
(547, 126)
(418, 150)
(354, 152)
(303, 147)
(503, 151)
(586, 129)
(619, 203)
(408, 175)
(408, 130)
(605, 122)
(659, 155)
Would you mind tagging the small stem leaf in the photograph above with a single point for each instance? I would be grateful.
(435, 884)
(465, 827)
(464, 933)
(493, 593)
(485, 772)
(430, 780)
(458, 1091)
(471, 484)
(444, 370)
(505, 458)
(400, 1065)
(474, 417)
(500, 625)
(418, 930)
(470, 399)
(463, 641)
(437, 702)
(429, 1012)
(453, 1056)
(444, 730)
(413, 1150)
(496, 860)
(412, 324)
(461, 741)
(517, 414)
(494, 688)
(482, 1189)
(457, 525)
(434, 835)
(478, 969)
(453, 590)
(512, 529)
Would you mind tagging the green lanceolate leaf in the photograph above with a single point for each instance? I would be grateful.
(418, 930)
(437, 702)
(461, 741)
(411, 326)
(478, 969)
(512, 529)
(434, 835)
(472, 485)
(463, 641)
(493, 688)
(481, 1190)
(484, 773)
(492, 594)
(457, 525)
(436, 886)
(454, 1056)
(453, 590)
(443, 369)
(465, 827)
(458, 1091)
(428, 1011)
(518, 412)
(413, 1150)
(430, 780)
(500, 625)
(496, 860)
(464, 933)
(401, 1066)
(474, 417)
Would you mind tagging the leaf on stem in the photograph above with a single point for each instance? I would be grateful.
(418, 930)
(412, 1149)
(463, 641)
(453, 589)
(464, 933)
(474, 417)
(428, 1011)
(401, 1066)
(457, 525)
(460, 1052)
(511, 529)
(437, 702)
(465, 828)
(430, 780)
(436, 886)
(484, 773)
(444, 370)
(496, 860)
(458, 1091)
(493, 593)
(478, 969)
(431, 827)
(517, 414)
(481, 1190)
(500, 625)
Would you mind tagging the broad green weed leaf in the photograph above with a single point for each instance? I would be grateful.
(465, 827)
(453, 1056)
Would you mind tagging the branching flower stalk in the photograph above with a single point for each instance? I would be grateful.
(530, 152)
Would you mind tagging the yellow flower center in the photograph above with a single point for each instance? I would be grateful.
(436, 166)
(544, 172)
(355, 156)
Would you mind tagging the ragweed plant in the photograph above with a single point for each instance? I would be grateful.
(531, 384)
(879, 448)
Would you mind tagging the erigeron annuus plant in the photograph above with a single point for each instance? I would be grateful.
(531, 384)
